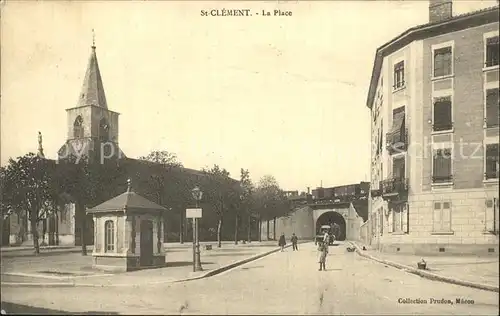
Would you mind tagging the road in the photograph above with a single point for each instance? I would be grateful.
(282, 283)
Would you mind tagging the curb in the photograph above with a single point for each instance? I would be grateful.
(233, 265)
(203, 276)
(428, 275)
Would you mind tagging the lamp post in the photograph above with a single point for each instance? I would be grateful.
(197, 194)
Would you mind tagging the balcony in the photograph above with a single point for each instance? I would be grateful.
(445, 126)
(397, 142)
(491, 175)
(394, 187)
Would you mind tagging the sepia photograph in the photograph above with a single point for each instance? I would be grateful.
(249, 157)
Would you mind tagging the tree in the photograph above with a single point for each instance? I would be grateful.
(158, 182)
(88, 183)
(27, 189)
(221, 193)
(163, 157)
(247, 199)
(270, 200)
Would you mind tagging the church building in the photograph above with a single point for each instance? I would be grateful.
(93, 132)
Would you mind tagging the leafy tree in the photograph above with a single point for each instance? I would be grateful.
(157, 182)
(247, 204)
(163, 157)
(168, 187)
(270, 200)
(221, 193)
(27, 190)
(88, 183)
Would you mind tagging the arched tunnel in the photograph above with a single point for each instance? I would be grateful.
(330, 218)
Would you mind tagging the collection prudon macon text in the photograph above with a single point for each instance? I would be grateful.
(435, 301)
(244, 12)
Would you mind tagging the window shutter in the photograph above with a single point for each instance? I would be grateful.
(435, 163)
(491, 160)
(442, 111)
(492, 107)
(489, 220)
(446, 216)
(436, 217)
(496, 214)
(404, 215)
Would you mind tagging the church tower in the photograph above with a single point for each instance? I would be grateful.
(92, 128)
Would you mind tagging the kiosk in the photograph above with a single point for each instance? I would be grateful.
(128, 232)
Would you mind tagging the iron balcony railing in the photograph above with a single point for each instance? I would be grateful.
(397, 142)
(394, 185)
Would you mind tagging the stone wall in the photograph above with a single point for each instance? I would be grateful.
(299, 222)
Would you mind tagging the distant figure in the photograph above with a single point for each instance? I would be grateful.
(323, 252)
(282, 242)
(294, 242)
(326, 238)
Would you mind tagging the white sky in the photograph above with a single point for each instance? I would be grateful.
(275, 95)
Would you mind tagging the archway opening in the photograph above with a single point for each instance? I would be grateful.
(103, 130)
(335, 220)
(78, 127)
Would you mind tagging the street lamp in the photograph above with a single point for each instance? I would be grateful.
(197, 194)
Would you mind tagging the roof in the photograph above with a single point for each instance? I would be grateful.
(456, 23)
(93, 90)
(128, 201)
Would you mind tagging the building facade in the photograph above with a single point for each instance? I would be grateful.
(434, 103)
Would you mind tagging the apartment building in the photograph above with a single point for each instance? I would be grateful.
(434, 102)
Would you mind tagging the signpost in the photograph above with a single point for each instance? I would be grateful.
(194, 214)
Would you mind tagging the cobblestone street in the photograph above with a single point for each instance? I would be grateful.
(282, 283)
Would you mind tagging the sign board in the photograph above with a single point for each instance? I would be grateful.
(193, 213)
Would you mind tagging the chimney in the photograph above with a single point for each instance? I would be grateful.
(440, 10)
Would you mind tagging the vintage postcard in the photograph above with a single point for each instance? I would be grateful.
(250, 157)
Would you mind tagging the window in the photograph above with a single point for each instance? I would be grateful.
(442, 217)
(491, 162)
(400, 218)
(109, 236)
(441, 169)
(442, 114)
(492, 51)
(78, 127)
(443, 61)
(399, 75)
(396, 138)
(492, 107)
(492, 220)
(103, 130)
(398, 167)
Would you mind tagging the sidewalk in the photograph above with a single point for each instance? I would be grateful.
(75, 270)
(471, 269)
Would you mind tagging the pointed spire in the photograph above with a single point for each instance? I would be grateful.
(93, 90)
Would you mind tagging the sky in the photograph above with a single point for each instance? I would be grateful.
(279, 95)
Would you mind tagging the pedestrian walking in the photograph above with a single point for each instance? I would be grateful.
(323, 253)
(282, 242)
(294, 242)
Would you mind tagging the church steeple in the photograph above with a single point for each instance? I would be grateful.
(92, 127)
(93, 90)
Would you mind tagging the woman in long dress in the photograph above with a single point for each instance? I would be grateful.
(282, 242)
